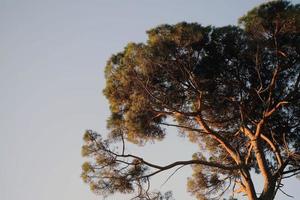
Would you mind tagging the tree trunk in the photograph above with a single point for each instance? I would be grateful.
(268, 191)
(269, 182)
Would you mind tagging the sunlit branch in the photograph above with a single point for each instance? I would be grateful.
(274, 149)
(219, 138)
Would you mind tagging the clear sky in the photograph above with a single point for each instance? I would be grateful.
(52, 56)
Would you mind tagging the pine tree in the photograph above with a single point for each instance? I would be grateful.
(233, 90)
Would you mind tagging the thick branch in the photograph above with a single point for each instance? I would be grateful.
(196, 162)
(218, 138)
(187, 162)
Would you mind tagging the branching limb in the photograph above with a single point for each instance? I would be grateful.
(274, 149)
(276, 107)
(218, 138)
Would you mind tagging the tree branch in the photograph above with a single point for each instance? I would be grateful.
(184, 127)
(218, 138)
(274, 149)
(278, 105)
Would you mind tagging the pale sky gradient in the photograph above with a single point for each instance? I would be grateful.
(52, 56)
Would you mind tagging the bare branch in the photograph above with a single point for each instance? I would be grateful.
(278, 105)
(274, 149)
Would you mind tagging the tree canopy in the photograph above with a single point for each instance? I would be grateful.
(232, 90)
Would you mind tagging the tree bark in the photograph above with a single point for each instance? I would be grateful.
(250, 190)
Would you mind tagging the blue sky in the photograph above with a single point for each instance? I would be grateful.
(52, 57)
